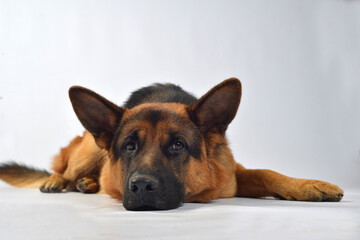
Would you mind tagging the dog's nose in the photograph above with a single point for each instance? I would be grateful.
(142, 184)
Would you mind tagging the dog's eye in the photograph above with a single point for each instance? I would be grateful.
(177, 146)
(130, 146)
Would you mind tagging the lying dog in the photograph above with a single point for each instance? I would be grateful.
(162, 148)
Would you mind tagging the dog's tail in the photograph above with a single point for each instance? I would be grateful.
(22, 176)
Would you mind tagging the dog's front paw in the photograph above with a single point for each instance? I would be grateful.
(55, 184)
(317, 191)
(314, 191)
(87, 185)
(52, 186)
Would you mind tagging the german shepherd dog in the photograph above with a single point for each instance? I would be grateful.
(164, 147)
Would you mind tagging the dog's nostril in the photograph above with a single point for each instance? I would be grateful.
(149, 188)
(133, 188)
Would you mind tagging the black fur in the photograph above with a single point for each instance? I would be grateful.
(154, 117)
(160, 93)
(20, 170)
(168, 195)
(14, 173)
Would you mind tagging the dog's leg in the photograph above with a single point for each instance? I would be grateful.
(77, 167)
(84, 166)
(263, 183)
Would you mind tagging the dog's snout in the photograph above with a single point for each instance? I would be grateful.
(142, 184)
(149, 191)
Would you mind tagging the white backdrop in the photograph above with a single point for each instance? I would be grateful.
(299, 62)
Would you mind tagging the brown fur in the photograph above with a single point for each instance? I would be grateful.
(88, 163)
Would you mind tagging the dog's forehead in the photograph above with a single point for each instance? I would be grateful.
(156, 116)
(155, 112)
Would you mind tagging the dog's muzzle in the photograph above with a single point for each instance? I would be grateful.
(146, 192)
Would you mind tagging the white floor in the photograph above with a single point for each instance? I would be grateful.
(29, 214)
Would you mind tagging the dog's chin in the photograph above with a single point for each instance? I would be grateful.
(136, 205)
(150, 208)
(145, 208)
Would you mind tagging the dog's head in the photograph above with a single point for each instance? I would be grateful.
(161, 153)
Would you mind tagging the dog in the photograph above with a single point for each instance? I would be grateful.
(162, 148)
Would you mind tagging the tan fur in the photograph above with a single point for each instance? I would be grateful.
(30, 184)
(111, 183)
(262, 183)
(81, 158)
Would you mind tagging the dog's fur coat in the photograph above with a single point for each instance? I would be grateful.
(162, 148)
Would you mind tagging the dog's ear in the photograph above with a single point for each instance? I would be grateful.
(214, 111)
(98, 115)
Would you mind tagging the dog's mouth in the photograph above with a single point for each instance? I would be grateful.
(151, 208)
(149, 193)
(146, 204)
